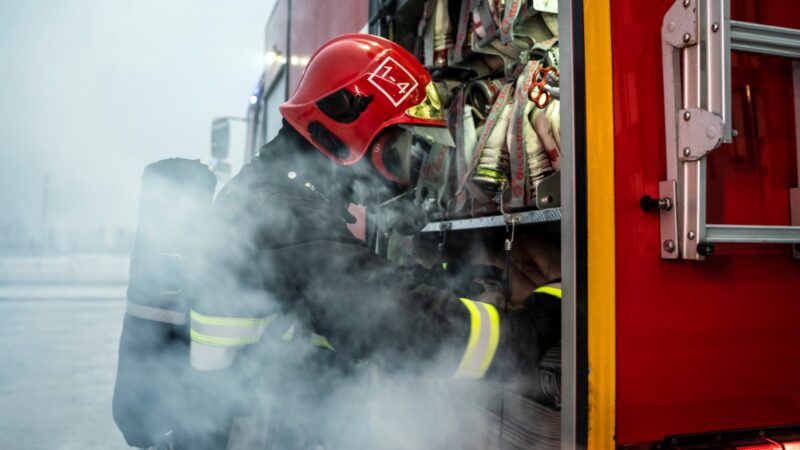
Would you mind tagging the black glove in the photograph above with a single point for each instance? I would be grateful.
(458, 282)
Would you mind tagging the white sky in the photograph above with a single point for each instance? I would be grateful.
(93, 90)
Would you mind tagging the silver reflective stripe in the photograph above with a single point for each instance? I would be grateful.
(206, 357)
(483, 339)
(155, 314)
(473, 367)
(216, 339)
(250, 334)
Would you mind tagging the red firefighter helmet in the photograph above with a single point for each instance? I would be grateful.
(354, 87)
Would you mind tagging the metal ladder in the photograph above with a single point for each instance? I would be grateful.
(697, 39)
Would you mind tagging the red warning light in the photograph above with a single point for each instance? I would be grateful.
(791, 445)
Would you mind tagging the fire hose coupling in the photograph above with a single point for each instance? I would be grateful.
(647, 203)
(544, 87)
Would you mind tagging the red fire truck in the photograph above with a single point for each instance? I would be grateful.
(678, 210)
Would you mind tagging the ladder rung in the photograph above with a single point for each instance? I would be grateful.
(752, 234)
(765, 39)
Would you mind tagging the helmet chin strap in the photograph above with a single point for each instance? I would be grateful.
(401, 214)
(409, 192)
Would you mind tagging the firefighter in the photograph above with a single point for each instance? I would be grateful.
(285, 272)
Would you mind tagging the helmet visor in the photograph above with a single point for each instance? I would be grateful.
(397, 156)
(430, 107)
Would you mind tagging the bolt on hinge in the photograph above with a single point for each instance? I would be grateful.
(699, 133)
(665, 204)
(680, 25)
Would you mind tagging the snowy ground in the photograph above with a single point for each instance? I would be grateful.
(64, 269)
(60, 321)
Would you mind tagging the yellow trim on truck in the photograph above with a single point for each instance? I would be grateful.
(600, 226)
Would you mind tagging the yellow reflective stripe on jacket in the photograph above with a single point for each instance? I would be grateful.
(239, 331)
(229, 321)
(289, 335)
(321, 341)
(483, 338)
(316, 339)
(550, 289)
(227, 331)
(221, 341)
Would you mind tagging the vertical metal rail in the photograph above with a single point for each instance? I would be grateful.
(569, 332)
(711, 87)
(678, 31)
(707, 78)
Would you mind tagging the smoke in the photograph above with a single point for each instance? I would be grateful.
(275, 248)
(95, 90)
